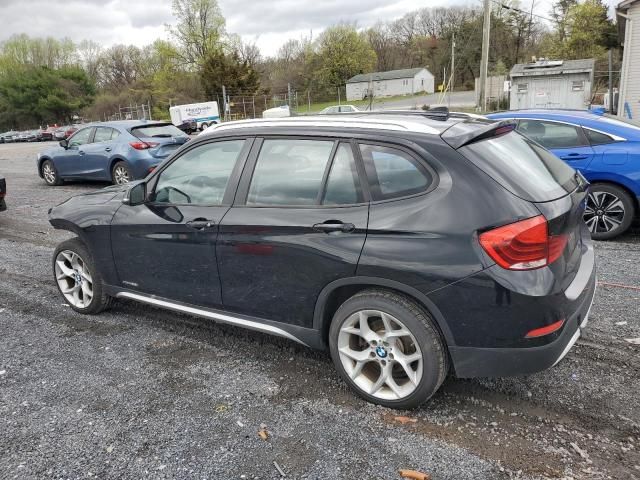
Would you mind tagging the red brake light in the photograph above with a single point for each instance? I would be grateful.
(143, 145)
(541, 332)
(523, 245)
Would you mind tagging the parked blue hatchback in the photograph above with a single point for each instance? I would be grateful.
(605, 149)
(113, 151)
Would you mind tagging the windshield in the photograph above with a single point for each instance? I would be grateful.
(157, 131)
(522, 167)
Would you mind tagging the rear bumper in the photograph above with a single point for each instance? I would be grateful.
(501, 362)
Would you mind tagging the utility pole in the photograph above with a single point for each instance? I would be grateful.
(484, 63)
(289, 95)
(338, 95)
(611, 81)
(453, 64)
(224, 104)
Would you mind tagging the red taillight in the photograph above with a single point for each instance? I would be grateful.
(151, 169)
(143, 145)
(523, 245)
(542, 331)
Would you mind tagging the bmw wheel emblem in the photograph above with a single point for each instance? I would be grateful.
(381, 352)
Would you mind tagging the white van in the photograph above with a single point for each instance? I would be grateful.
(204, 114)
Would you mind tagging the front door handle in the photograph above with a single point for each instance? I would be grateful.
(200, 223)
(107, 149)
(334, 226)
(80, 152)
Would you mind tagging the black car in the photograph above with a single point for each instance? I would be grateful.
(3, 193)
(188, 126)
(408, 246)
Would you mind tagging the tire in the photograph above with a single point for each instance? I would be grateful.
(421, 342)
(609, 212)
(204, 126)
(74, 271)
(50, 173)
(121, 173)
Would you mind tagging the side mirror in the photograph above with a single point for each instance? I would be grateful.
(136, 195)
(64, 143)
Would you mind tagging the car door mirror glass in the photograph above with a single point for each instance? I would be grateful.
(136, 195)
(64, 144)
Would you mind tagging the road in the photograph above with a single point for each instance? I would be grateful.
(457, 100)
(138, 392)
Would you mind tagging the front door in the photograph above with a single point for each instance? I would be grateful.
(300, 223)
(72, 161)
(166, 247)
(568, 142)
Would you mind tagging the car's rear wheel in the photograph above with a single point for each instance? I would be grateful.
(120, 173)
(204, 126)
(388, 349)
(77, 278)
(609, 211)
(50, 174)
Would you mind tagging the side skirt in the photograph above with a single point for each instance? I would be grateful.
(306, 336)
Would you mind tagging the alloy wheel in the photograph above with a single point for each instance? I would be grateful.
(74, 279)
(121, 175)
(604, 212)
(49, 173)
(380, 355)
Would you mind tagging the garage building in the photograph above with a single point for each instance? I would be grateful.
(552, 84)
(629, 29)
(394, 82)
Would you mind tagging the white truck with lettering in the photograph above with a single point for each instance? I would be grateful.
(204, 114)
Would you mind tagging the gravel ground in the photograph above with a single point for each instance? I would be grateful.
(138, 392)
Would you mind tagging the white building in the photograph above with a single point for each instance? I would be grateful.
(394, 82)
(629, 29)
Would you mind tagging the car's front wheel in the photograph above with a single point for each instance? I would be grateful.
(50, 174)
(609, 211)
(388, 349)
(77, 278)
(120, 173)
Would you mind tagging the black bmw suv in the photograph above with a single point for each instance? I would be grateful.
(408, 246)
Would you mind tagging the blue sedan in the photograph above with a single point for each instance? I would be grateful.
(117, 152)
(606, 150)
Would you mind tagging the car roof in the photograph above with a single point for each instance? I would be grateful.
(604, 123)
(125, 123)
(357, 121)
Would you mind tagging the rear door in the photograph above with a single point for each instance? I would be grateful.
(166, 247)
(568, 142)
(98, 152)
(299, 223)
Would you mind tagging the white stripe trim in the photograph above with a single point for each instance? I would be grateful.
(571, 343)
(220, 317)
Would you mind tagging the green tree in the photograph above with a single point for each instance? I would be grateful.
(228, 69)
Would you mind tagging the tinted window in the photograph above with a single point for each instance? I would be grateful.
(393, 173)
(103, 134)
(343, 186)
(597, 138)
(157, 131)
(552, 134)
(522, 166)
(81, 137)
(289, 172)
(200, 176)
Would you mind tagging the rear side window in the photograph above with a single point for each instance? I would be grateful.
(552, 134)
(157, 131)
(597, 138)
(289, 172)
(522, 167)
(343, 185)
(104, 134)
(393, 173)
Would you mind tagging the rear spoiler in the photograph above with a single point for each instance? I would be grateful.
(464, 133)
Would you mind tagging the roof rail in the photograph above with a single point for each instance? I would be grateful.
(434, 113)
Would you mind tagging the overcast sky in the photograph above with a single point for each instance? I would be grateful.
(268, 23)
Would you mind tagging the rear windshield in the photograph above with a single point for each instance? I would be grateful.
(522, 167)
(157, 131)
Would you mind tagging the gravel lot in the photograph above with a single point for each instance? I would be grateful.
(138, 392)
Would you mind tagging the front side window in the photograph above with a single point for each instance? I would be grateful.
(394, 173)
(81, 137)
(289, 172)
(552, 134)
(199, 176)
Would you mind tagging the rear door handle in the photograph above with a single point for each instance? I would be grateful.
(334, 226)
(107, 149)
(200, 224)
(574, 156)
(80, 152)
